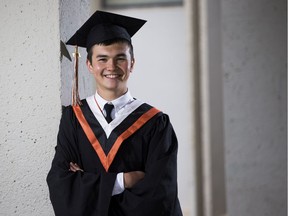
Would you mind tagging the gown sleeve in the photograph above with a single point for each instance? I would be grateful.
(76, 193)
(156, 194)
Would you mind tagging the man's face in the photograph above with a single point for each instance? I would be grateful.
(111, 66)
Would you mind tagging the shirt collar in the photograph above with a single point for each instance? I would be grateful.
(118, 103)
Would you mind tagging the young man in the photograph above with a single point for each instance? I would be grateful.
(115, 155)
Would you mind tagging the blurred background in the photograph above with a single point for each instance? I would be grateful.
(218, 68)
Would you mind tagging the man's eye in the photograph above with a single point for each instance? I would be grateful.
(102, 60)
(121, 59)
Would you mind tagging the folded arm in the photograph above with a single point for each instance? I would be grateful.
(129, 178)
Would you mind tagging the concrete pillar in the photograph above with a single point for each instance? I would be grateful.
(254, 35)
(208, 63)
(72, 16)
(30, 109)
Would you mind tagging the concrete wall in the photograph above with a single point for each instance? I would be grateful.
(72, 15)
(212, 198)
(30, 109)
(255, 97)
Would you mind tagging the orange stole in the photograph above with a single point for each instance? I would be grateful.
(107, 160)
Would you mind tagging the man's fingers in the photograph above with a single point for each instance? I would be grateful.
(74, 167)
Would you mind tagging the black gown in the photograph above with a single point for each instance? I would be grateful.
(152, 148)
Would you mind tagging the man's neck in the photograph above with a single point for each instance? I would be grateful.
(111, 95)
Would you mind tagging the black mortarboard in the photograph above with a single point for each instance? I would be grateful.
(103, 26)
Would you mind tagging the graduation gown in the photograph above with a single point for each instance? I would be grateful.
(152, 148)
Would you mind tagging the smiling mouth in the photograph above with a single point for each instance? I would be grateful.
(112, 76)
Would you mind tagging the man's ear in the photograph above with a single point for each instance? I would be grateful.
(132, 65)
(89, 65)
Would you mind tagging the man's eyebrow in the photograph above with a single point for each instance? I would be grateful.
(121, 54)
(106, 56)
(101, 56)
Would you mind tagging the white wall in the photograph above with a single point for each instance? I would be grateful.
(30, 109)
(255, 97)
(162, 77)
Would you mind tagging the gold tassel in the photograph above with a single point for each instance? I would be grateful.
(75, 94)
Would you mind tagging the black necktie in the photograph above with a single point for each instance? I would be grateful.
(108, 108)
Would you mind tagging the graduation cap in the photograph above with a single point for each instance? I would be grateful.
(103, 26)
(100, 27)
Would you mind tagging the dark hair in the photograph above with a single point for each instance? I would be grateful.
(109, 42)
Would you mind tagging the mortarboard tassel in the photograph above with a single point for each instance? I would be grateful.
(75, 94)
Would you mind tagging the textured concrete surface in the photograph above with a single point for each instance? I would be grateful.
(255, 106)
(30, 110)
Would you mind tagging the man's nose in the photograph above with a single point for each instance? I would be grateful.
(111, 65)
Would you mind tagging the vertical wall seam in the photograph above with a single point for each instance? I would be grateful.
(197, 106)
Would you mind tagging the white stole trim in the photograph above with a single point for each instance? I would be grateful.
(121, 114)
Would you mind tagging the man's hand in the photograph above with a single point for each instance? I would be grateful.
(74, 167)
(131, 178)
